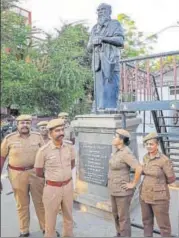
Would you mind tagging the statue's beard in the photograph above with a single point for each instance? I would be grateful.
(103, 19)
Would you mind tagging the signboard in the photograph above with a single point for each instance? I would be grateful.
(93, 163)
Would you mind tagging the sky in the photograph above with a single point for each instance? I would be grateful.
(150, 16)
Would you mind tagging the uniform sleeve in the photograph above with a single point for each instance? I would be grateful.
(168, 169)
(39, 159)
(4, 148)
(131, 161)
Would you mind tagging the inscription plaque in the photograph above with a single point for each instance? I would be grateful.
(94, 162)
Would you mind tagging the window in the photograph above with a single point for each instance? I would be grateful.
(173, 89)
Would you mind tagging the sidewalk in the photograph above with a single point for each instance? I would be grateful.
(85, 224)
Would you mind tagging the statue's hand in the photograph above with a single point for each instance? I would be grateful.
(97, 40)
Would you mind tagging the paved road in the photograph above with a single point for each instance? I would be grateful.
(85, 224)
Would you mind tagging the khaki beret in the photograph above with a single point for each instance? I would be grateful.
(24, 118)
(42, 123)
(55, 123)
(150, 136)
(63, 114)
(123, 133)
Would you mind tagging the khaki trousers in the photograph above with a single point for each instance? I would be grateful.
(74, 184)
(161, 213)
(120, 210)
(23, 184)
(53, 197)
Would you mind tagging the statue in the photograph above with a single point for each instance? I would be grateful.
(105, 41)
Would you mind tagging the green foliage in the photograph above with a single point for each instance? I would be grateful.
(6, 4)
(17, 82)
(136, 43)
(58, 75)
(164, 64)
(55, 77)
(65, 71)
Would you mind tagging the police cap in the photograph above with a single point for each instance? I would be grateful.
(63, 114)
(24, 118)
(123, 132)
(150, 136)
(42, 123)
(55, 123)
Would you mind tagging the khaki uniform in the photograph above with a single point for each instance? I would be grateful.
(119, 173)
(43, 123)
(154, 194)
(57, 166)
(21, 154)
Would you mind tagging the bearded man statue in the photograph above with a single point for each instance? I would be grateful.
(106, 40)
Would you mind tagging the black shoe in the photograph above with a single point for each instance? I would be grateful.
(118, 235)
(24, 235)
(58, 234)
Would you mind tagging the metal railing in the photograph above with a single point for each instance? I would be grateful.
(144, 78)
(150, 85)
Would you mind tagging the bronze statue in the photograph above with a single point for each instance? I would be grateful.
(105, 41)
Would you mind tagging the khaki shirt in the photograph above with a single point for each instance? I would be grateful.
(21, 152)
(157, 170)
(56, 162)
(119, 171)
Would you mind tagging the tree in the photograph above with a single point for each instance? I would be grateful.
(65, 69)
(17, 75)
(136, 43)
(51, 86)
(57, 75)
(7, 4)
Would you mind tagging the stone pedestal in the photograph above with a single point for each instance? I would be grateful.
(94, 134)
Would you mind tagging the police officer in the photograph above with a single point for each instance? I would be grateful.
(154, 195)
(21, 148)
(120, 187)
(42, 127)
(57, 159)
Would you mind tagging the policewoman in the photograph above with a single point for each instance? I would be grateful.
(120, 187)
(154, 195)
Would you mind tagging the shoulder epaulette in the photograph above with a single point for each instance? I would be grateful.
(35, 132)
(44, 147)
(11, 134)
(164, 157)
